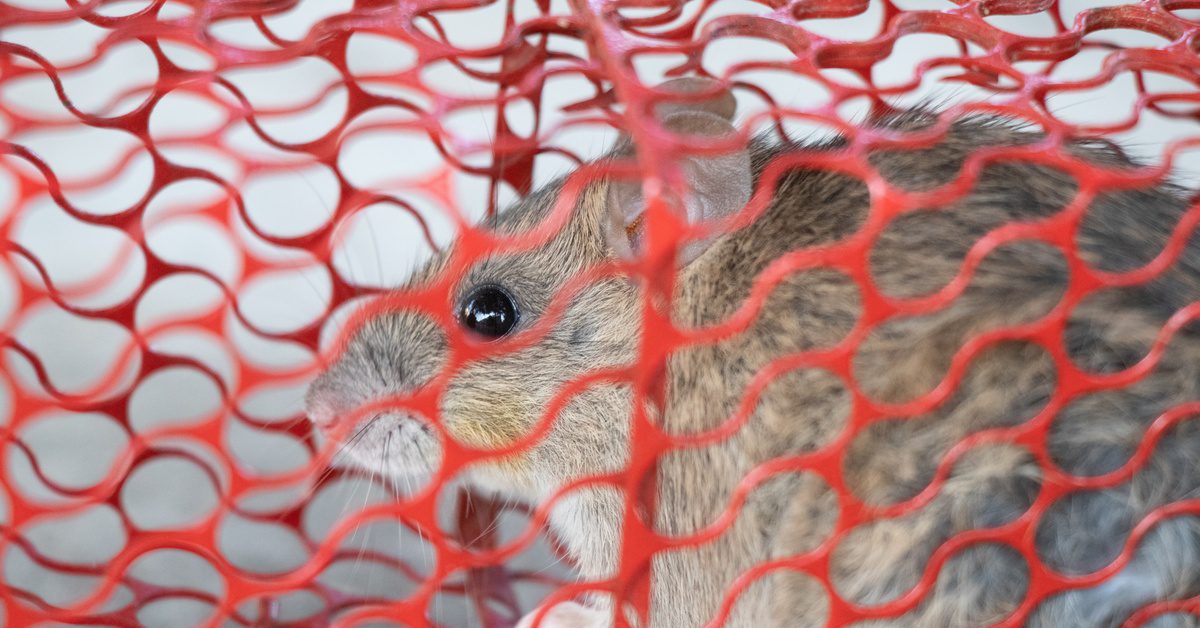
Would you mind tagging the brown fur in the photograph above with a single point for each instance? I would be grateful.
(495, 401)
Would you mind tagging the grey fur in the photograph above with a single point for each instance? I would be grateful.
(495, 401)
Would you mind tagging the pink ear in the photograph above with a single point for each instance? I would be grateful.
(717, 186)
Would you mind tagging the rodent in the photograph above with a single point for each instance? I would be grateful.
(494, 401)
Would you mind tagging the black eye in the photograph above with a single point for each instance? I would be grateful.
(488, 311)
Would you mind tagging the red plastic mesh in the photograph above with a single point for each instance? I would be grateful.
(191, 48)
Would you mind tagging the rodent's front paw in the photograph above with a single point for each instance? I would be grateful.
(567, 615)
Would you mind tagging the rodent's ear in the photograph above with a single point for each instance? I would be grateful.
(717, 186)
(717, 101)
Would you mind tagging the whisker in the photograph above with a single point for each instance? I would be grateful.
(421, 543)
(387, 443)
(364, 545)
(394, 487)
(353, 440)
(375, 248)
(491, 526)
(345, 447)
(324, 205)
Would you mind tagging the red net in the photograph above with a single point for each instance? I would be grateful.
(907, 404)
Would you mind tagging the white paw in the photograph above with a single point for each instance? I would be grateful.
(567, 615)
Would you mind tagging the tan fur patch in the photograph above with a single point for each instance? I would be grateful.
(496, 424)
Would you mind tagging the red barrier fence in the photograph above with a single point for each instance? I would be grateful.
(193, 190)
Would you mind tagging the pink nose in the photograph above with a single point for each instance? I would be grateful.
(324, 403)
(321, 413)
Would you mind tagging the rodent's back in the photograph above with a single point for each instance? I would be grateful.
(1013, 384)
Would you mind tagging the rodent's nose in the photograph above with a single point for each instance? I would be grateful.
(323, 403)
(320, 413)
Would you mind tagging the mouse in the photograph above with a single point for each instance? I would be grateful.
(902, 405)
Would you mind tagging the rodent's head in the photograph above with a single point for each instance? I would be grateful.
(493, 401)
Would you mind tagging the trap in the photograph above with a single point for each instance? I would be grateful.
(199, 197)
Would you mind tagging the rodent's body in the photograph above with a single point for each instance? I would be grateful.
(1009, 384)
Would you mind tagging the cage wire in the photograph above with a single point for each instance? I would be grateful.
(198, 195)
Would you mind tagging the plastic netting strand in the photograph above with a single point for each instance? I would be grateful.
(162, 257)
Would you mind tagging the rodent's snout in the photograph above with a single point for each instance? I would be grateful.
(389, 354)
(335, 396)
(391, 443)
(323, 404)
(321, 413)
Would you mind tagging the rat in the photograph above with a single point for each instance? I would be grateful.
(1008, 387)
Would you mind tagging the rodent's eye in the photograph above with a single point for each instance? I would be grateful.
(488, 311)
